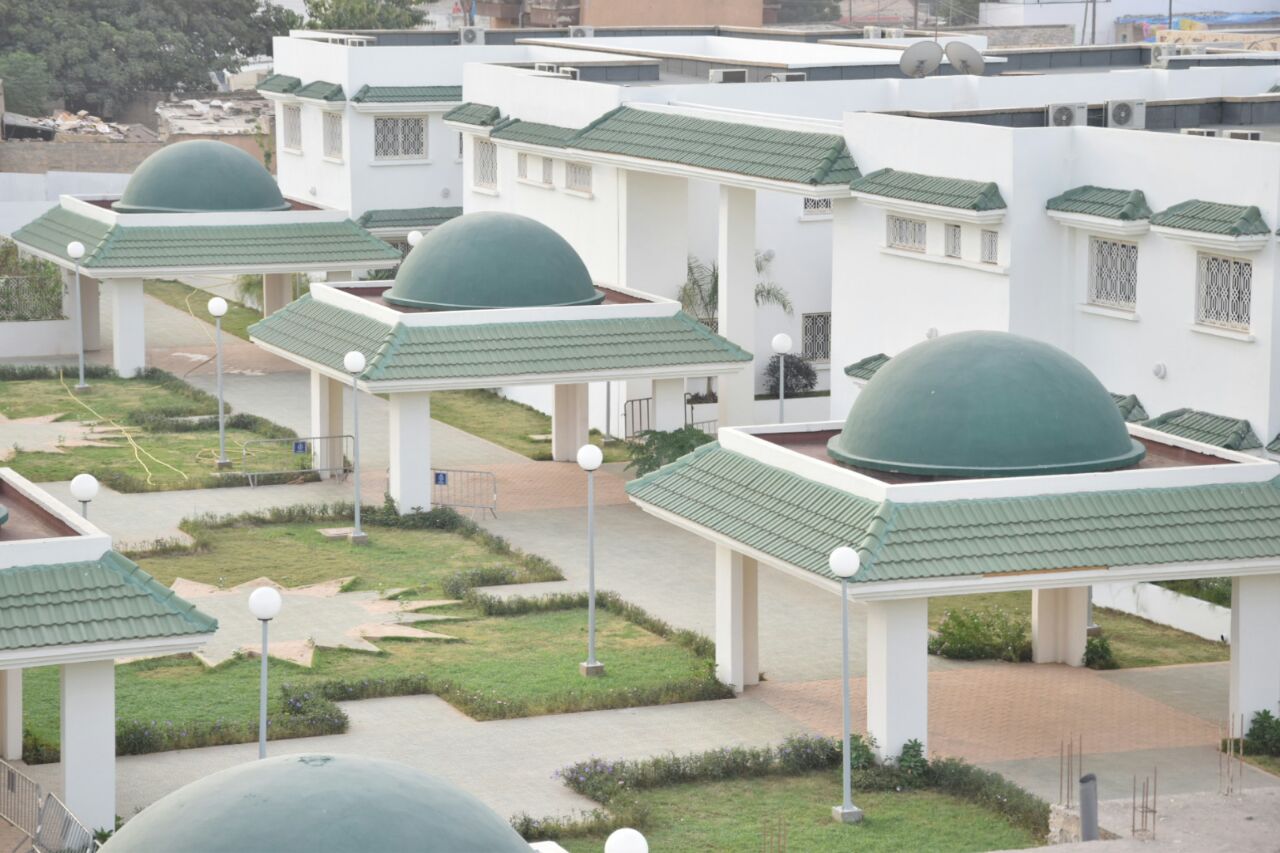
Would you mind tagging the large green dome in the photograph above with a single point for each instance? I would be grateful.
(984, 404)
(492, 260)
(317, 804)
(200, 176)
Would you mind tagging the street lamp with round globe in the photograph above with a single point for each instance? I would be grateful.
(75, 251)
(844, 564)
(218, 306)
(781, 344)
(218, 309)
(589, 459)
(84, 488)
(414, 238)
(264, 604)
(355, 364)
(626, 840)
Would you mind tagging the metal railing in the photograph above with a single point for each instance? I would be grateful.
(19, 798)
(637, 416)
(59, 830)
(473, 490)
(49, 826)
(318, 454)
(27, 298)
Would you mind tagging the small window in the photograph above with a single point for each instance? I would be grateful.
(1223, 291)
(399, 137)
(816, 208)
(484, 167)
(293, 128)
(522, 166)
(815, 336)
(460, 138)
(577, 177)
(547, 170)
(908, 234)
(953, 234)
(333, 135)
(990, 247)
(1113, 273)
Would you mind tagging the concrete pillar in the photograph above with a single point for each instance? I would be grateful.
(1059, 625)
(11, 714)
(737, 619)
(569, 419)
(91, 312)
(89, 741)
(338, 276)
(668, 404)
(1255, 638)
(277, 292)
(326, 421)
(653, 230)
(129, 347)
(898, 674)
(737, 308)
(410, 437)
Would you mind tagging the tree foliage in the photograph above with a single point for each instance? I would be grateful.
(808, 11)
(27, 83)
(657, 448)
(363, 14)
(801, 376)
(700, 293)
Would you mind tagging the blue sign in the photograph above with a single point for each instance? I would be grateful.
(299, 447)
(442, 478)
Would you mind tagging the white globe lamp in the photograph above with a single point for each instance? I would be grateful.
(218, 307)
(844, 562)
(589, 457)
(75, 250)
(626, 840)
(781, 343)
(265, 602)
(414, 238)
(84, 487)
(354, 362)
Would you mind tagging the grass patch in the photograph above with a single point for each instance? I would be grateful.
(1135, 642)
(186, 298)
(507, 423)
(1269, 763)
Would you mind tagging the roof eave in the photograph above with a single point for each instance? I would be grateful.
(1205, 239)
(1101, 224)
(109, 650)
(733, 179)
(933, 211)
(404, 107)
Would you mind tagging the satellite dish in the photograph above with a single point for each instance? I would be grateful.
(965, 58)
(921, 59)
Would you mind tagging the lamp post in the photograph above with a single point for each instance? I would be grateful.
(264, 604)
(844, 564)
(75, 251)
(781, 344)
(589, 459)
(354, 362)
(218, 308)
(626, 840)
(414, 238)
(84, 488)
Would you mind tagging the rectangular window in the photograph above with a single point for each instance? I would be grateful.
(293, 128)
(816, 208)
(484, 165)
(577, 177)
(522, 166)
(953, 233)
(400, 137)
(333, 135)
(1113, 273)
(1223, 291)
(905, 233)
(990, 247)
(547, 167)
(815, 336)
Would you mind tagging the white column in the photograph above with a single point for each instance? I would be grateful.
(11, 714)
(1059, 625)
(91, 312)
(737, 310)
(569, 421)
(1255, 639)
(737, 622)
(129, 346)
(277, 292)
(410, 437)
(898, 674)
(654, 231)
(89, 741)
(668, 404)
(326, 420)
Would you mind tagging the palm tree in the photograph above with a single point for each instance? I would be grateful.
(700, 293)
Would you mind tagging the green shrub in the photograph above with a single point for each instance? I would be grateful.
(913, 763)
(801, 376)
(458, 584)
(959, 779)
(1097, 653)
(657, 448)
(982, 634)
(1264, 734)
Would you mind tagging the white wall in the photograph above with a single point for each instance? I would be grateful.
(25, 196)
(1166, 607)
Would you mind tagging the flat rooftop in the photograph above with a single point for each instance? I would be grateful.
(27, 519)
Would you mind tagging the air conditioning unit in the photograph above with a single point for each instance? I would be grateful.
(581, 32)
(1199, 131)
(1066, 115)
(471, 35)
(1249, 135)
(787, 77)
(1194, 49)
(1161, 53)
(728, 75)
(873, 32)
(571, 73)
(894, 33)
(1130, 115)
(546, 67)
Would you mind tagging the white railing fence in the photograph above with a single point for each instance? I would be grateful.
(43, 818)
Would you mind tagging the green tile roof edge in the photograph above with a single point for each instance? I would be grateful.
(1249, 224)
(280, 84)
(321, 90)
(391, 217)
(1131, 408)
(517, 130)
(1232, 433)
(986, 194)
(1273, 446)
(1134, 209)
(865, 368)
(378, 94)
(163, 595)
(467, 114)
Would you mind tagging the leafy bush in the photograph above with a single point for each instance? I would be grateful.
(1097, 653)
(657, 448)
(460, 583)
(801, 376)
(959, 779)
(1264, 734)
(912, 762)
(985, 634)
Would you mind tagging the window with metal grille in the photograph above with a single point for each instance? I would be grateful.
(547, 166)
(952, 235)
(577, 177)
(333, 135)
(1223, 291)
(905, 233)
(815, 336)
(990, 247)
(484, 164)
(399, 137)
(522, 166)
(1113, 273)
(816, 208)
(293, 128)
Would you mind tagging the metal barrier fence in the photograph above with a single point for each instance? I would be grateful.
(637, 416)
(43, 818)
(26, 298)
(474, 490)
(319, 454)
(709, 427)
(19, 798)
(59, 831)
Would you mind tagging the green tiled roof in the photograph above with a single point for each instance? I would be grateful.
(321, 90)
(1273, 446)
(104, 600)
(408, 217)
(122, 246)
(928, 189)
(799, 521)
(1218, 430)
(323, 333)
(480, 115)
(1232, 220)
(406, 94)
(533, 133)
(1124, 205)
(281, 84)
(1130, 407)
(866, 368)
(745, 149)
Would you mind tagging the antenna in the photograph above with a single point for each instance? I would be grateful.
(921, 59)
(965, 58)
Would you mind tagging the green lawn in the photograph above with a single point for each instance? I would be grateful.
(1269, 763)
(1134, 642)
(507, 423)
(740, 814)
(185, 298)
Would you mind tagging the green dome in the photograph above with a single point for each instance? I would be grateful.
(200, 176)
(984, 404)
(492, 260)
(317, 804)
